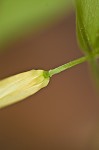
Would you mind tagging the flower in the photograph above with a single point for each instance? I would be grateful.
(20, 86)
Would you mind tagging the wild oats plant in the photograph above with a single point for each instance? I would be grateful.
(22, 85)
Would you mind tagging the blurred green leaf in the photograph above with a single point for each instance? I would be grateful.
(87, 14)
(88, 24)
(19, 16)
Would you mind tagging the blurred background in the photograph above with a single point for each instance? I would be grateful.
(63, 116)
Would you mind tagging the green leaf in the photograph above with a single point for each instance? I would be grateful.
(20, 16)
(87, 19)
(88, 24)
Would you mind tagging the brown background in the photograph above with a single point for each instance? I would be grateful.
(64, 115)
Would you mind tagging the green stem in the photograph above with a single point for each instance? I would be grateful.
(67, 65)
(72, 63)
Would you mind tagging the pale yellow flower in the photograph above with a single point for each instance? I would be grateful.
(20, 86)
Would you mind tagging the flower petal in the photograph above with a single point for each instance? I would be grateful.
(18, 87)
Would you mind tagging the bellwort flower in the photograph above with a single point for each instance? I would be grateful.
(20, 86)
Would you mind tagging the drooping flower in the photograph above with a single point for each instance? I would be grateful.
(20, 86)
